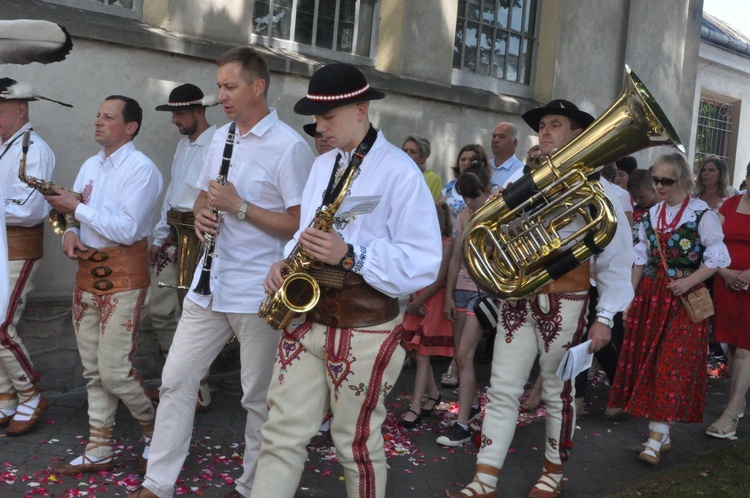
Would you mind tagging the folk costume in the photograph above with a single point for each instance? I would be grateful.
(269, 166)
(547, 324)
(165, 305)
(661, 374)
(345, 354)
(21, 403)
(119, 194)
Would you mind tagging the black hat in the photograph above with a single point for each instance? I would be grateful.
(333, 86)
(628, 164)
(310, 129)
(187, 96)
(559, 107)
(10, 89)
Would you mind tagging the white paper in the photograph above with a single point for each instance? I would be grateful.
(575, 360)
(353, 206)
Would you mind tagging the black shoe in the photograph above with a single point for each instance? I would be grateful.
(426, 412)
(456, 436)
(410, 423)
(474, 413)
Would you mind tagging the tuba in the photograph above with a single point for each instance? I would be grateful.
(58, 221)
(513, 244)
(188, 250)
(300, 292)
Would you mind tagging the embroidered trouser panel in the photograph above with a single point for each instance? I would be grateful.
(546, 326)
(349, 371)
(106, 329)
(16, 371)
(164, 306)
(200, 337)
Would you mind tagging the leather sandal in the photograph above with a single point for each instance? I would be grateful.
(87, 466)
(141, 492)
(723, 431)
(5, 418)
(649, 454)
(666, 445)
(485, 490)
(427, 412)
(18, 427)
(547, 486)
(450, 378)
(410, 423)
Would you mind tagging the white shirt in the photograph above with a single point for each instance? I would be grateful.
(501, 174)
(397, 244)
(623, 197)
(119, 197)
(183, 189)
(40, 163)
(4, 268)
(613, 266)
(270, 164)
(716, 254)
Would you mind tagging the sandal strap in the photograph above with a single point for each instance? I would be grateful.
(8, 396)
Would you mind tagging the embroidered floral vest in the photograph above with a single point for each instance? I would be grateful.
(683, 249)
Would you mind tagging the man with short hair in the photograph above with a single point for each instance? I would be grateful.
(344, 354)
(260, 203)
(21, 401)
(546, 324)
(504, 160)
(119, 188)
(321, 144)
(188, 107)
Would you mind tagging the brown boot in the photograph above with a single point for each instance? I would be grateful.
(98, 437)
(477, 488)
(26, 417)
(550, 484)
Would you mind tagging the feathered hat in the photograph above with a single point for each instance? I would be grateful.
(10, 89)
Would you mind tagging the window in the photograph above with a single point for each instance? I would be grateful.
(343, 26)
(714, 132)
(495, 38)
(125, 8)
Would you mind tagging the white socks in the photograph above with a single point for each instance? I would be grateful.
(26, 409)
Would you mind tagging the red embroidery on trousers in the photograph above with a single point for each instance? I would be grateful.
(513, 316)
(549, 324)
(106, 304)
(79, 307)
(290, 348)
(339, 360)
(363, 429)
(13, 304)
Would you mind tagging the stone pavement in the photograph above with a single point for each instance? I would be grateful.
(603, 459)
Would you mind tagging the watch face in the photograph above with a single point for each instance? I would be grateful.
(347, 263)
(241, 215)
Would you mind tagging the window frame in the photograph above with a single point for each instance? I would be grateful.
(464, 77)
(268, 40)
(729, 129)
(136, 12)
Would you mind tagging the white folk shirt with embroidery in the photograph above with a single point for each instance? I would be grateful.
(120, 193)
(613, 266)
(40, 163)
(4, 283)
(398, 245)
(183, 189)
(711, 235)
(270, 164)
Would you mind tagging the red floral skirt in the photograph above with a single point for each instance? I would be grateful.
(661, 373)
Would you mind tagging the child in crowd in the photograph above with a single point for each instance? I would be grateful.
(643, 191)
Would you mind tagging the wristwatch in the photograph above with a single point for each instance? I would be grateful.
(606, 321)
(242, 213)
(347, 262)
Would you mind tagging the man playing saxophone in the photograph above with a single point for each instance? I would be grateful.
(547, 323)
(21, 402)
(119, 189)
(384, 242)
(187, 105)
(260, 204)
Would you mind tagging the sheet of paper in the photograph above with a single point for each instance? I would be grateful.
(574, 361)
(353, 206)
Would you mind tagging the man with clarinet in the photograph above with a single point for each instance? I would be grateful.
(256, 204)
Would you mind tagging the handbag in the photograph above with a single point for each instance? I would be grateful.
(697, 302)
(486, 311)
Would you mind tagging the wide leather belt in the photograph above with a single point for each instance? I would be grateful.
(114, 269)
(574, 281)
(25, 242)
(358, 304)
(179, 219)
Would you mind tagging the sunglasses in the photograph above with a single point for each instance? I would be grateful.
(666, 182)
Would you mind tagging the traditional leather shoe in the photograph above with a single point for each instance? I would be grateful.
(234, 494)
(141, 492)
(548, 486)
(5, 420)
(18, 427)
(474, 494)
(68, 469)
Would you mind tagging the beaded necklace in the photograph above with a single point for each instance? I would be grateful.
(665, 227)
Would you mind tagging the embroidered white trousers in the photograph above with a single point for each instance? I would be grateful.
(200, 337)
(164, 308)
(349, 371)
(546, 327)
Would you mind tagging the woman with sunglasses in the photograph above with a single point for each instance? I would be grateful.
(732, 299)
(661, 372)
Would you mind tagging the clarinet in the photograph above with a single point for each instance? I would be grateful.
(203, 287)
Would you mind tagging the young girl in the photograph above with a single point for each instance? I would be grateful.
(427, 331)
(461, 295)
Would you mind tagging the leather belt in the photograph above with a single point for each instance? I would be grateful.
(114, 269)
(358, 304)
(574, 281)
(25, 242)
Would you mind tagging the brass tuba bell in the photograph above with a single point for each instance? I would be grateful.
(514, 244)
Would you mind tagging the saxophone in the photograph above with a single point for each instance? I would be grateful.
(300, 292)
(58, 221)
